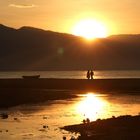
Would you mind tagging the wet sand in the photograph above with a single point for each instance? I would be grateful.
(120, 128)
(18, 96)
(21, 91)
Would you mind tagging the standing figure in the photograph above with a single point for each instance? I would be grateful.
(88, 74)
(91, 74)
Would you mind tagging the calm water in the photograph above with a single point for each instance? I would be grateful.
(55, 114)
(73, 74)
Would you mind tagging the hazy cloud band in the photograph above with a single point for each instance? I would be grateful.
(22, 5)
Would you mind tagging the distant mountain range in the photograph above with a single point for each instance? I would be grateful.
(30, 48)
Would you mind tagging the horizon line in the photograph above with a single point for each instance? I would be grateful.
(30, 26)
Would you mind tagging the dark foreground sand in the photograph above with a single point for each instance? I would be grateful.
(96, 84)
(120, 128)
(21, 91)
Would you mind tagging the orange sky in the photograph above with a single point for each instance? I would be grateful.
(120, 17)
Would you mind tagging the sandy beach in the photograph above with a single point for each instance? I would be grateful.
(114, 96)
(95, 84)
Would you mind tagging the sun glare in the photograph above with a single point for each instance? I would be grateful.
(90, 106)
(90, 29)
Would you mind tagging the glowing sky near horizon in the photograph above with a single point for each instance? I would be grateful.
(120, 17)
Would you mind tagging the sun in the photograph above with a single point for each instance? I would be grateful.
(90, 29)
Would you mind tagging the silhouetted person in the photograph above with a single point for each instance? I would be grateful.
(84, 121)
(88, 120)
(91, 74)
(88, 74)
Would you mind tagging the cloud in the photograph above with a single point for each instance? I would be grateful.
(22, 5)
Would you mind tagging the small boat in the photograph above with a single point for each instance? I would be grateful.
(31, 77)
(4, 115)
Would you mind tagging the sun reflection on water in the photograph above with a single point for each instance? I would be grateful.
(91, 106)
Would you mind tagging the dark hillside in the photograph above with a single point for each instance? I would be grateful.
(30, 48)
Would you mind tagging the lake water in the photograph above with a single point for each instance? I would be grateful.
(73, 74)
(30, 119)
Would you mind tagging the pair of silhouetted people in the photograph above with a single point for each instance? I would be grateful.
(87, 121)
(90, 74)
